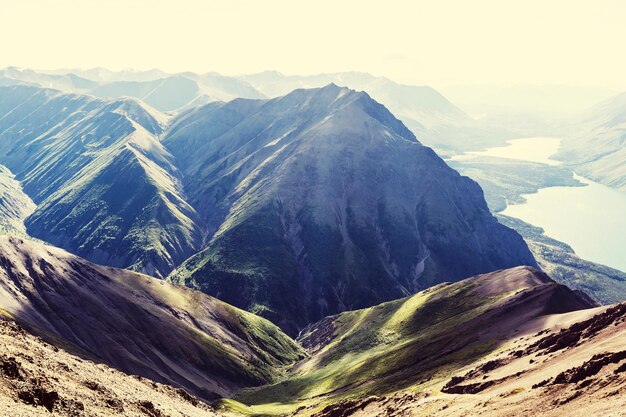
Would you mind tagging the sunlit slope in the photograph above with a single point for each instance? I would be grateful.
(571, 364)
(139, 324)
(415, 342)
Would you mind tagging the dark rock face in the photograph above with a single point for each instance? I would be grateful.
(322, 201)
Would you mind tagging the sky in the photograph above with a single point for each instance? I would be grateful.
(439, 42)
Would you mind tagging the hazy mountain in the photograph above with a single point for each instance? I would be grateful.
(69, 82)
(180, 91)
(321, 201)
(140, 325)
(105, 187)
(432, 117)
(165, 92)
(421, 343)
(596, 143)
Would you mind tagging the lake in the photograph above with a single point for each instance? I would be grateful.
(591, 219)
(538, 149)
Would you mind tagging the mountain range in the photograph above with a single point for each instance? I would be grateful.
(422, 109)
(237, 196)
(186, 244)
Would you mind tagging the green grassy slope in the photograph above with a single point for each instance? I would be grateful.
(411, 343)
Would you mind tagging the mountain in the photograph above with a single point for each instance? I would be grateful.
(37, 379)
(420, 343)
(596, 143)
(322, 201)
(138, 324)
(105, 187)
(435, 120)
(69, 81)
(177, 92)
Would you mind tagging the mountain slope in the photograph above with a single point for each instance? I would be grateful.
(596, 146)
(37, 379)
(272, 179)
(15, 206)
(138, 324)
(105, 187)
(414, 343)
(568, 364)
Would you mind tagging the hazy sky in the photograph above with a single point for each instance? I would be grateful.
(434, 42)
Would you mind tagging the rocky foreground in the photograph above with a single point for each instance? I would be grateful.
(577, 370)
(39, 379)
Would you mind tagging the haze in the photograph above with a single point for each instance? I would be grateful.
(437, 43)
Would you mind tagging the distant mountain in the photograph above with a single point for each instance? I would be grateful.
(178, 92)
(322, 201)
(137, 324)
(165, 92)
(596, 143)
(69, 81)
(420, 344)
(104, 186)
(432, 117)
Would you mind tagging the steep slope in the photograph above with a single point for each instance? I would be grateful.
(414, 343)
(322, 201)
(138, 324)
(574, 365)
(431, 116)
(15, 206)
(37, 379)
(105, 187)
(596, 146)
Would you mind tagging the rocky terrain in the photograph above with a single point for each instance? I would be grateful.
(39, 379)
(575, 366)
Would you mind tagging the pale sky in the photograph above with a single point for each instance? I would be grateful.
(418, 42)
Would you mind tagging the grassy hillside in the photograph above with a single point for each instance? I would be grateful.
(168, 333)
(413, 343)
